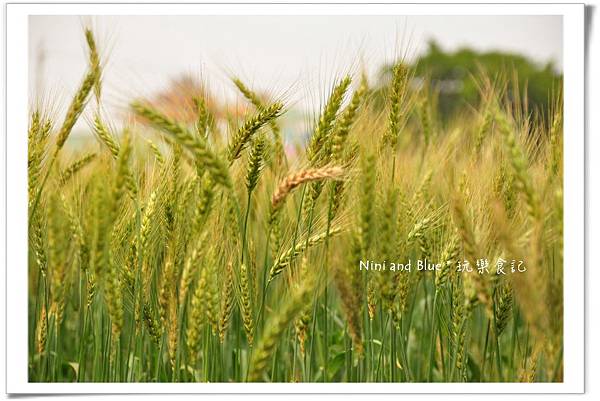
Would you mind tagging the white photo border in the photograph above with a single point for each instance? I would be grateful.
(16, 192)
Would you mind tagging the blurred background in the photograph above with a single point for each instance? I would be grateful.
(294, 58)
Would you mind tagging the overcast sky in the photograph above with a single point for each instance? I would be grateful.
(291, 55)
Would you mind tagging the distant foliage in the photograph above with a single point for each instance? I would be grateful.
(451, 75)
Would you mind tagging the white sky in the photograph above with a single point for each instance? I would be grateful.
(291, 55)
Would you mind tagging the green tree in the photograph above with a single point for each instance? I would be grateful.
(453, 75)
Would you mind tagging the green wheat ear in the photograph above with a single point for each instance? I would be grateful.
(94, 60)
(227, 302)
(504, 307)
(276, 326)
(79, 101)
(288, 256)
(519, 164)
(258, 103)
(255, 162)
(74, 168)
(197, 146)
(245, 303)
(241, 138)
(318, 146)
(347, 118)
(400, 75)
(105, 136)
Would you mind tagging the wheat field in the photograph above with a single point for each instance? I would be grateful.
(169, 251)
